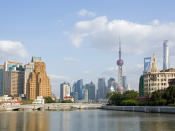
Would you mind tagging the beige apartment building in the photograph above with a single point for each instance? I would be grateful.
(156, 80)
(38, 83)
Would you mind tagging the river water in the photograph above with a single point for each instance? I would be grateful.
(86, 120)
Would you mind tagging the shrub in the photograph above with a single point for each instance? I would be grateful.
(130, 102)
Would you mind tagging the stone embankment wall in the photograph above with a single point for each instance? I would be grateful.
(147, 109)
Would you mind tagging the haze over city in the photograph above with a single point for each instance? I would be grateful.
(81, 41)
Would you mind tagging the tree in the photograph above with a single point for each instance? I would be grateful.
(115, 98)
(130, 95)
(48, 99)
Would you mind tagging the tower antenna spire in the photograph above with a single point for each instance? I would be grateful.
(119, 49)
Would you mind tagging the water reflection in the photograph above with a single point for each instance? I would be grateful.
(24, 121)
(89, 120)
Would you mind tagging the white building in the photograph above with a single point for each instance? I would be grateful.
(65, 90)
(39, 100)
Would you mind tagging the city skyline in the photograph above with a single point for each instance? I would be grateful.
(81, 43)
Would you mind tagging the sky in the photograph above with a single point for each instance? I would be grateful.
(78, 39)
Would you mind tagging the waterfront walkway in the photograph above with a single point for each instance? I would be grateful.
(147, 109)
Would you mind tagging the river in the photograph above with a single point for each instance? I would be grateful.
(86, 120)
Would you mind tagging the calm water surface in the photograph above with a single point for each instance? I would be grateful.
(86, 120)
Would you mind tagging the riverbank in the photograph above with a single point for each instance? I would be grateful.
(146, 109)
(51, 106)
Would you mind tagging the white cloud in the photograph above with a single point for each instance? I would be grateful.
(71, 59)
(12, 50)
(84, 12)
(136, 38)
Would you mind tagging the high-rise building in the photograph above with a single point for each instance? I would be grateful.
(28, 68)
(1, 79)
(102, 90)
(125, 83)
(86, 94)
(165, 55)
(38, 83)
(78, 88)
(65, 90)
(13, 78)
(110, 82)
(120, 64)
(91, 91)
(147, 64)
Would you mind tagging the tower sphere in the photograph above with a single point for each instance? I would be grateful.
(120, 62)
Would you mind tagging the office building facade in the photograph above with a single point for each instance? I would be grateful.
(13, 79)
(38, 83)
(65, 90)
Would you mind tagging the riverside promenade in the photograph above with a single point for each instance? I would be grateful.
(146, 109)
(52, 106)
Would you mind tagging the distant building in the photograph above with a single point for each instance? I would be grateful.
(102, 90)
(28, 68)
(147, 64)
(1, 79)
(91, 91)
(38, 83)
(13, 78)
(86, 93)
(75, 96)
(65, 90)
(110, 82)
(157, 80)
(78, 88)
(125, 83)
(165, 55)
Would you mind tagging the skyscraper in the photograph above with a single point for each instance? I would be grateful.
(102, 90)
(120, 64)
(65, 90)
(147, 64)
(38, 83)
(110, 82)
(125, 82)
(79, 87)
(91, 91)
(165, 55)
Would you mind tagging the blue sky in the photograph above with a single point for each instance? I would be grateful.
(79, 39)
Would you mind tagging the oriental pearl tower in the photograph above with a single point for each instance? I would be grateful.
(120, 64)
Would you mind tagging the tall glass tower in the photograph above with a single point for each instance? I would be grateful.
(165, 55)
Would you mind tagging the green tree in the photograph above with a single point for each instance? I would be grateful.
(48, 99)
(115, 98)
(130, 95)
(170, 95)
